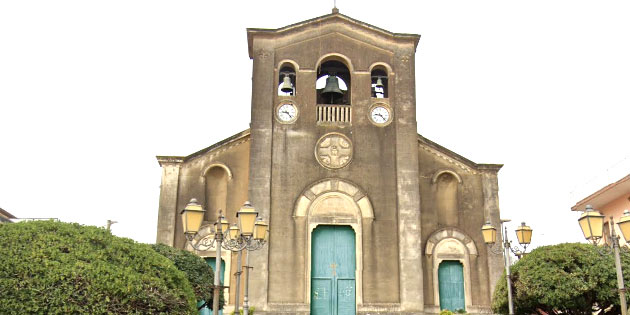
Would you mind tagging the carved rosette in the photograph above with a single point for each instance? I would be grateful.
(333, 150)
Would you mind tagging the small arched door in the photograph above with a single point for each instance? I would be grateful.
(333, 264)
(451, 280)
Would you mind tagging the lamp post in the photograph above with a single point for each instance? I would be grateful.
(247, 235)
(524, 236)
(259, 240)
(592, 225)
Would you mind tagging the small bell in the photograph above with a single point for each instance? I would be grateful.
(379, 83)
(287, 86)
(332, 90)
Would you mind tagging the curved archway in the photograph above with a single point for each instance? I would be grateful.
(451, 244)
(334, 202)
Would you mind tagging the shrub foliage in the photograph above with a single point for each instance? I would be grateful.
(200, 275)
(62, 268)
(567, 278)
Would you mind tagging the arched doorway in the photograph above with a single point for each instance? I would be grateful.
(333, 266)
(451, 283)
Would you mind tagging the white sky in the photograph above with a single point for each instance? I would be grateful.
(92, 91)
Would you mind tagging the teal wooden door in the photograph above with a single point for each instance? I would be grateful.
(212, 262)
(333, 264)
(451, 277)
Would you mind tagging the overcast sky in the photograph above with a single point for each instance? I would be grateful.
(92, 91)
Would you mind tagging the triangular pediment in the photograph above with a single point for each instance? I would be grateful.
(330, 19)
(458, 161)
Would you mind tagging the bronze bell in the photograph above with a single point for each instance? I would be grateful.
(287, 86)
(332, 90)
(379, 83)
(379, 88)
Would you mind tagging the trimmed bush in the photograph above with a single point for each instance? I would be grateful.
(63, 268)
(567, 278)
(200, 275)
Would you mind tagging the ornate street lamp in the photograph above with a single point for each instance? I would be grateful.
(234, 238)
(592, 225)
(524, 236)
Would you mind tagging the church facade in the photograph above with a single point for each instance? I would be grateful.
(366, 216)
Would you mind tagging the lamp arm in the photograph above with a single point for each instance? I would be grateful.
(203, 244)
(496, 248)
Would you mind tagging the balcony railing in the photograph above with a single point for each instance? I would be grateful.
(334, 113)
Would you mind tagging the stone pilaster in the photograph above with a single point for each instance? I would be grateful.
(260, 165)
(490, 187)
(409, 240)
(167, 213)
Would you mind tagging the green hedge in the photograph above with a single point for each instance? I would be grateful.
(62, 268)
(567, 278)
(200, 275)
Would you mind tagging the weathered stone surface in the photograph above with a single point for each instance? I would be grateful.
(384, 180)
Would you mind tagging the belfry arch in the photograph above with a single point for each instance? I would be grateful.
(334, 202)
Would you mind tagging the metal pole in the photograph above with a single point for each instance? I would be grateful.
(506, 253)
(245, 297)
(217, 271)
(238, 281)
(620, 285)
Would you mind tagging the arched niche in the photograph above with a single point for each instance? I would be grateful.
(446, 196)
(334, 202)
(451, 244)
(215, 178)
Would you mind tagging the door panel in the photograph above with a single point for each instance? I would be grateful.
(333, 264)
(321, 298)
(345, 297)
(451, 283)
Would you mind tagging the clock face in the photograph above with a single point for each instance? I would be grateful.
(380, 115)
(287, 112)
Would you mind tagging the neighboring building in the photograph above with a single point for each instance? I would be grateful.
(611, 200)
(366, 216)
(5, 216)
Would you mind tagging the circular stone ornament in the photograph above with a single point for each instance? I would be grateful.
(333, 150)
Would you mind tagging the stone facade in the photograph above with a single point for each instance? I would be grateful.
(411, 202)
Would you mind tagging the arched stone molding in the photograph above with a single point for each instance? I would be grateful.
(209, 167)
(451, 244)
(340, 187)
(296, 67)
(226, 255)
(442, 171)
(390, 72)
(338, 57)
(334, 202)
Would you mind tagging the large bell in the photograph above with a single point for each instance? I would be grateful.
(331, 90)
(287, 86)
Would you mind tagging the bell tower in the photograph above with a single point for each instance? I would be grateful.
(334, 144)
